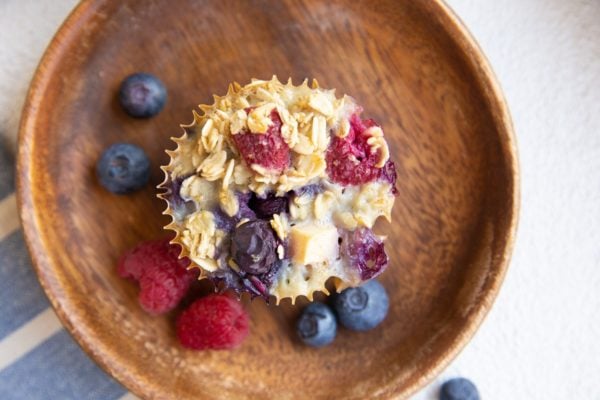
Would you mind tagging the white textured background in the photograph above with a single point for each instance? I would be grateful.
(542, 338)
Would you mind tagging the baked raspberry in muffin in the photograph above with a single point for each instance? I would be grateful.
(275, 188)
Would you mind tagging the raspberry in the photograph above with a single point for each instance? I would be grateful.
(163, 287)
(366, 252)
(162, 276)
(388, 174)
(213, 322)
(268, 150)
(132, 262)
(351, 161)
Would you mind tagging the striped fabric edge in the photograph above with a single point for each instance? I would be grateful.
(129, 396)
(8, 216)
(44, 325)
(28, 337)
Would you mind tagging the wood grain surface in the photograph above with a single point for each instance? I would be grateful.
(411, 65)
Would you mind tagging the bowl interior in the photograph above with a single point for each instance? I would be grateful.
(410, 66)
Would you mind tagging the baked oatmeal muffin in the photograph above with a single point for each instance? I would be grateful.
(275, 188)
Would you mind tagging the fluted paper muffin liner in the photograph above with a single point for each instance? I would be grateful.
(214, 181)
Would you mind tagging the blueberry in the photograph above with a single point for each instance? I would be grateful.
(223, 221)
(269, 205)
(459, 389)
(244, 211)
(253, 247)
(142, 95)
(309, 190)
(362, 308)
(316, 326)
(180, 207)
(123, 168)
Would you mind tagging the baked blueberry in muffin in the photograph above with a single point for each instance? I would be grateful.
(275, 188)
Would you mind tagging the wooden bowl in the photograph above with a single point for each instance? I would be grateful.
(415, 69)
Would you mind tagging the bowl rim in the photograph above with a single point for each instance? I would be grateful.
(496, 102)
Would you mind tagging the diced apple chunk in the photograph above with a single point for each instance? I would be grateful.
(313, 243)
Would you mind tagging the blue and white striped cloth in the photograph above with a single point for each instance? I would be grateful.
(38, 358)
